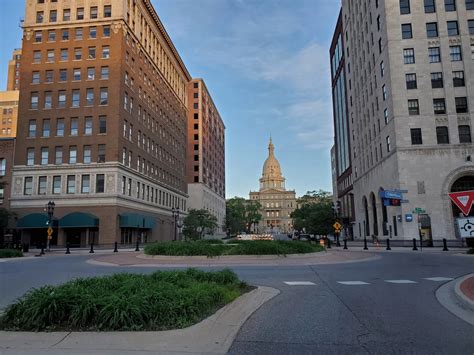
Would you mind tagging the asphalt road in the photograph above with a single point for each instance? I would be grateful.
(324, 317)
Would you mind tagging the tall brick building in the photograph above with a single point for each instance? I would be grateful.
(102, 123)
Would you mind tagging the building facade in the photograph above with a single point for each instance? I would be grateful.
(13, 81)
(277, 202)
(409, 77)
(102, 123)
(205, 153)
(8, 113)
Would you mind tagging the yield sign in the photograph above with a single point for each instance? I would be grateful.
(463, 199)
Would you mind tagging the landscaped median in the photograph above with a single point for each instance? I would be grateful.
(211, 249)
(10, 253)
(160, 301)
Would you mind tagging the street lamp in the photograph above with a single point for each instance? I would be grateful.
(50, 210)
(175, 213)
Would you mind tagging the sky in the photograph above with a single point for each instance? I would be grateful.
(266, 65)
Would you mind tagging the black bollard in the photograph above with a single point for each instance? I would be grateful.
(137, 248)
(329, 243)
(42, 249)
(92, 248)
(67, 249)
(388, 244)
(414, 244)
(345, 244)
(116, 249)
(445, 244)
(365, 244)
(338, 243)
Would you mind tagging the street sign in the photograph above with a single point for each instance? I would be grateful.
(418, 210)
(463, 199)
(50, 233)
(391, 194)
(408, 217)
(337, 226)
(466, 227)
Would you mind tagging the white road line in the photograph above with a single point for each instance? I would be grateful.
(401, 281)
(353, 283)
(299, 283)
(439, 278)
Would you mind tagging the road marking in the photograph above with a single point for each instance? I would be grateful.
(353, 283)
(401, 281)
(299, 283)
(439, 278)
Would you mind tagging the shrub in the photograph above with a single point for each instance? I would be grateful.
(162, 300)
(10, 253)
(470, 251)
(192, 248)
(211, 241)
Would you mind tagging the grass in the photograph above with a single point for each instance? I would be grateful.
(160, 301)
(10, 253)
(255, 247)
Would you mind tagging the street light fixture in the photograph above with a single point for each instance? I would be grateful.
(50, 210)
(175, 213)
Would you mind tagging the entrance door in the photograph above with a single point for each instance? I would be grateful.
(73, 237)
(425, 225)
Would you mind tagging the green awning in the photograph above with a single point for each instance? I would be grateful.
(33, 220)
(135, 220)
(79, 220)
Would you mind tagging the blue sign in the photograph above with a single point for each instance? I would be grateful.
(409, 217)
(391, 194)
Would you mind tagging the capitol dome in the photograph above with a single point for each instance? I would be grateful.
(271, 173)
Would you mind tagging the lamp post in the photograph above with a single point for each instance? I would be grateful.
(50, 210)
(175, 213)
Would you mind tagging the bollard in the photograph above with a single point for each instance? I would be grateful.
(365, 244)
(42, 249)
(329, 243)
(92, 248)
(388, 244)
(116, 249)
(137, 248)
(414, 244)
(345, 243)
(67, 249)
(338, 243)
(445, 244)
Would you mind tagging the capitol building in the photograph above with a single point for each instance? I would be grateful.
(277, 202)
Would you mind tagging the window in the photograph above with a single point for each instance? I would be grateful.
(430, 6)
(99, 183)
(106, 31)
(102, 124)
(37, 57)
(411, 81)
(63, 54)
(48, 100)
(58, 155)
(39, 16)
(87, 154)
(455, 53)
(44, 155)
(65, 35)
(38, 36)
(450, 5)
(46, 127)
(409, 56)
(384, 92)
(85, 184)
(91, 53)
(71, 184)
(101, 153)
(416, 137)
(442, 135)
(469, 4)
(74, 126)
(34, 100)
(88, 126)
(35, 79)
(66, 14)
(72, 154)
(51, 35)
(42, 185)
(49, 77)
(30, 156)
(472, 51)
(90, 73)
(413, 107)
(3, 167)
(436, 80)
(32, 128)
(107, 11)
(431, 30)
(60, 127)
(50, 55)
(404, 7)
(77, 53)
(105, 52)
(385, 115)
(461, 104)
(458, 78)
(92, 32)
(53, 16)
(93, 12)
(80, 13)
(61, 98)
(439, 106)
(464, 134)
(76, 98)
(28, 187)
(104, 72)
(453, 29)
(434, 54)
(89, 97)
(104, 96)
(79, 33)
(387, 141)
(382, 69)
(406, 34)
(56, 185)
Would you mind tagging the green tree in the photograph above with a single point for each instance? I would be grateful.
(252, 214)
(241, 214)
(199, 222)
(314, 213)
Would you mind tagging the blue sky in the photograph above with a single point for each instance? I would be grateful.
(266, 65)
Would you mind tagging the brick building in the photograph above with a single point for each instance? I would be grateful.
(13, 81)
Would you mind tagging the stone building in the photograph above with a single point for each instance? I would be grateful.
(277, 202)
(409, 81)
(8, 113)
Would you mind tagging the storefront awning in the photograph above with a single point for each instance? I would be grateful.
(135, 220)
(79, 220)
(33, 220)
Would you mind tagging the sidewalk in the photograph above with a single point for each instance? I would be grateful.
(458, 297)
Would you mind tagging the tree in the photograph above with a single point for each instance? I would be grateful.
(199, 222)
(241, 214)
(315, 213)
(252, 213)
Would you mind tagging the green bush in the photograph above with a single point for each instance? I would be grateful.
(191, 248)
(211, 241)
(162, 300)
(470, 251)
(10, 253)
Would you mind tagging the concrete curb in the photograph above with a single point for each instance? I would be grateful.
(460, 295)
(446, 295)
(213, 335)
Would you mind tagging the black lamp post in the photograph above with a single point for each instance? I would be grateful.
(175, 213)
(50, 210)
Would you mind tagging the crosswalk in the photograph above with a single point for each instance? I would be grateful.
(363, 283)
